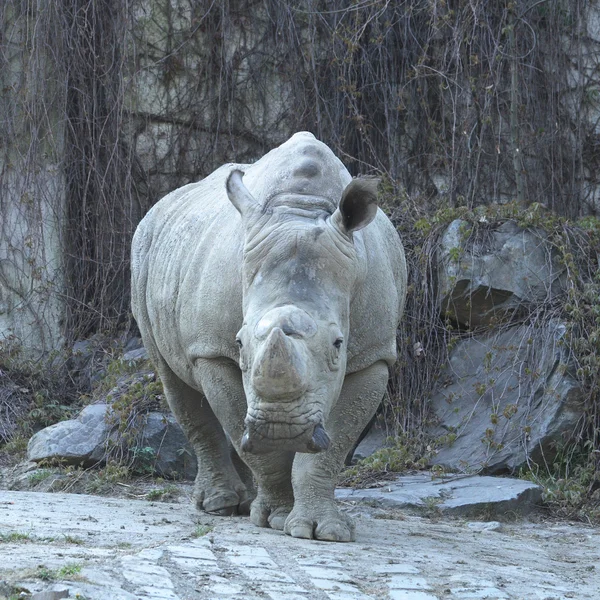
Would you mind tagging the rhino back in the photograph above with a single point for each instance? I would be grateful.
(186, 274)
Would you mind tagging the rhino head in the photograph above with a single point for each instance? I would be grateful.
(300, 267)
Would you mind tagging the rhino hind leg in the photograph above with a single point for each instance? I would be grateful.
(218, 488)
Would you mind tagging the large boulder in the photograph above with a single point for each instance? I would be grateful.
(173, 456)
(161, 447)
(497, 273)
(79, 441)
(508, 399)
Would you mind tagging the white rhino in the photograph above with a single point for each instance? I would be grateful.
(268, 297)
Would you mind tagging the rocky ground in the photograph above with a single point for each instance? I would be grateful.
(57, 545)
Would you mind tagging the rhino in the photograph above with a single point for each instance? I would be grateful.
(268, 296)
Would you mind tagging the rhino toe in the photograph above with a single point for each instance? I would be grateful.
(263, 515)
(327, 525)
(278, 517)
(335, 531)
(299, 528)
(223, 503)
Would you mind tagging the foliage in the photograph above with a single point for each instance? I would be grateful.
(68, 571)
(14, 537)
(163, 494)
(133, 390)
(405, 452)
(201, 530)
(32, 396)
(572, 482)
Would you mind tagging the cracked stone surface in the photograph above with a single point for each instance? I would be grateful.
(138, 550)
(467, 496)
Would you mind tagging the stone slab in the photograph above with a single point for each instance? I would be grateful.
(473, 496)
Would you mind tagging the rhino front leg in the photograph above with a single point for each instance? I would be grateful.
(222, 384)
(218, 488)
(314, 476)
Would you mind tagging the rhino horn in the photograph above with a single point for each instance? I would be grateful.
(279, 369)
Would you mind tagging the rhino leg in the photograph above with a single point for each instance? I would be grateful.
(275, 497)
(218, 488)
(222, 384)
(315, 514)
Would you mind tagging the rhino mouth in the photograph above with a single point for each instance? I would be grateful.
(260, 438)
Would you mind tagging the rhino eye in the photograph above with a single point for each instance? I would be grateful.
(338, 343)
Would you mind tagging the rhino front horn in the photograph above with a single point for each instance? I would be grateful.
(279, 369)
(320, 440)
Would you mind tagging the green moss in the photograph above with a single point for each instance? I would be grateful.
(404, 453)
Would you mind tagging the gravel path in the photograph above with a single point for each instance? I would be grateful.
(114, 549)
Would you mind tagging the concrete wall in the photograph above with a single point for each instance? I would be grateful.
(32, 197)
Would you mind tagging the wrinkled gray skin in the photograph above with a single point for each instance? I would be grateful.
(271, 314)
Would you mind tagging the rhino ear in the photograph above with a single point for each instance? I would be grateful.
(358, 205)
(239, 195)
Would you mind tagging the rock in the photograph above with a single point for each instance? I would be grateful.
(134, 350)
(509, 400)
(51, 595)
(136, 355)
(78, 441)
(174, 455)
(375, 439)
(133, 343)
(86, 363)
(162, 447)
(496, 276)
(472, 496)
(485, 526)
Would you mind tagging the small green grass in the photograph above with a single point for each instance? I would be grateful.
(38, 476)
(68, 571)
(168, 492)
(69, 539)
(201, 530)
(15, 536)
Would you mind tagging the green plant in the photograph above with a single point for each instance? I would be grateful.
(14, 537)
(165, 493)
(70, 539)
(104, 480)
(201, 530)
(68, 571)
(143, 460)
(39, 476)
(431, 506)
(571, 483)
(404, 453)
(133, 391)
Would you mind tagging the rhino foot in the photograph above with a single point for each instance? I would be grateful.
(322, 524)
(224, 503)
(263, 514)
